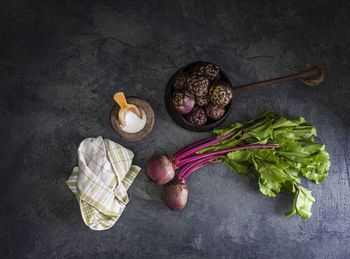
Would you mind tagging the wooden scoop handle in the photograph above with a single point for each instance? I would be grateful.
(120, 99)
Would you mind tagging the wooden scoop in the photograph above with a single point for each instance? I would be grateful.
(125, 107)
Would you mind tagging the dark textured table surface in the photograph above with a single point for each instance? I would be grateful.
(62, 61)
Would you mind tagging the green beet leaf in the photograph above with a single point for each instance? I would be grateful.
(278, 169)
(302, 203)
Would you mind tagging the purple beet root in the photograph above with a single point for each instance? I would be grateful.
(175, 195)
(160, 169)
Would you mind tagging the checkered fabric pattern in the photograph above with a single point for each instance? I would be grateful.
(101, 180)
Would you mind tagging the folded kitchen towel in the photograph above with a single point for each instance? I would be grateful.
(100, 181)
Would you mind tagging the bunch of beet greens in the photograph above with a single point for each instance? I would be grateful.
(271, 148)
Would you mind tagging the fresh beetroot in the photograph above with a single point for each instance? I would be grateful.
(259, 147)
(175, 195)
(160, 169)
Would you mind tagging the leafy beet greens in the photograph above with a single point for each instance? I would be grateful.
(274, 150)
(277, 169)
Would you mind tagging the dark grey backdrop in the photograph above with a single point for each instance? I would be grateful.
(61, 62)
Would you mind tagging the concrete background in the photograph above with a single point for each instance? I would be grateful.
(62, 61)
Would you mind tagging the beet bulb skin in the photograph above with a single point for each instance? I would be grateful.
(175, 195)
(159, 169)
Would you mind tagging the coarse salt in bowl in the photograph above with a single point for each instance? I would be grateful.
(133, 123)
(136, 128)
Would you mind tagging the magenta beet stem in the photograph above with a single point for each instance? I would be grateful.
(189, 172)
(225, 151)
(190, 165)
(194, 144)
(196, 149)
(184, 170)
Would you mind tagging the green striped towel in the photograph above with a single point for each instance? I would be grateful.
(101, 180)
